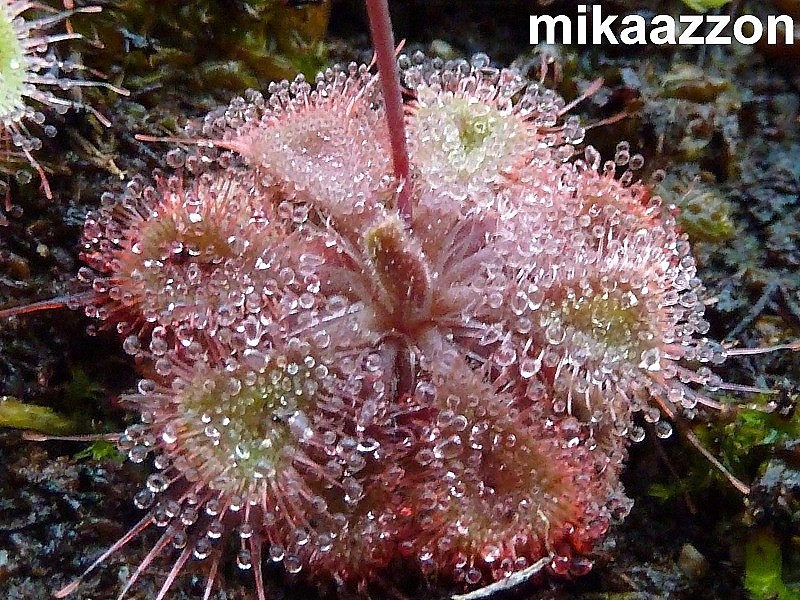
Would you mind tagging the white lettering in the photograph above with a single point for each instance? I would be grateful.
(772, 29)
(550, 29)
(693, 23)
(720, 23)
(602, 27)
(738, 30)
(663, 35)
(636, 29)
(582, 8)
(636, 32)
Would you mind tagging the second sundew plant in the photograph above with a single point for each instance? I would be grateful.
(378, 336)
(34, 80)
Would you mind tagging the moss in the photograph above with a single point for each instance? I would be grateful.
(101, 450)
(19, 415)
(209, 46)
(763, 577)
(744, 443)
(705, 5)
(706, 216)
(754, 428)
(82, 389)
(690, 82)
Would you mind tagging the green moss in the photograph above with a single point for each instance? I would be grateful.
(211, 46)
(743, 443)
(705, 213)
(101, 450)
(72, 416)
(705, 5)
(82, 389)
(19, 415)
(754, 433)
(763, 577)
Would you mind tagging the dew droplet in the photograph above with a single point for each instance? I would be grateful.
(663, 429)
(292, 563)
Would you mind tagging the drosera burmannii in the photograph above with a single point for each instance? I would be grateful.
(352, 364)
(33, 75)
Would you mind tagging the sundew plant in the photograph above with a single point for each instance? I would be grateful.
(33, 79)
(398, 317)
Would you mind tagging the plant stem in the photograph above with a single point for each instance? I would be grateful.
(380, 25)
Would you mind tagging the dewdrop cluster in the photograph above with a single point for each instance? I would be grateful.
(613, 297)
(184, 252)
(322, 142)
(475, 126)
(32, 78)
(337, 386)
